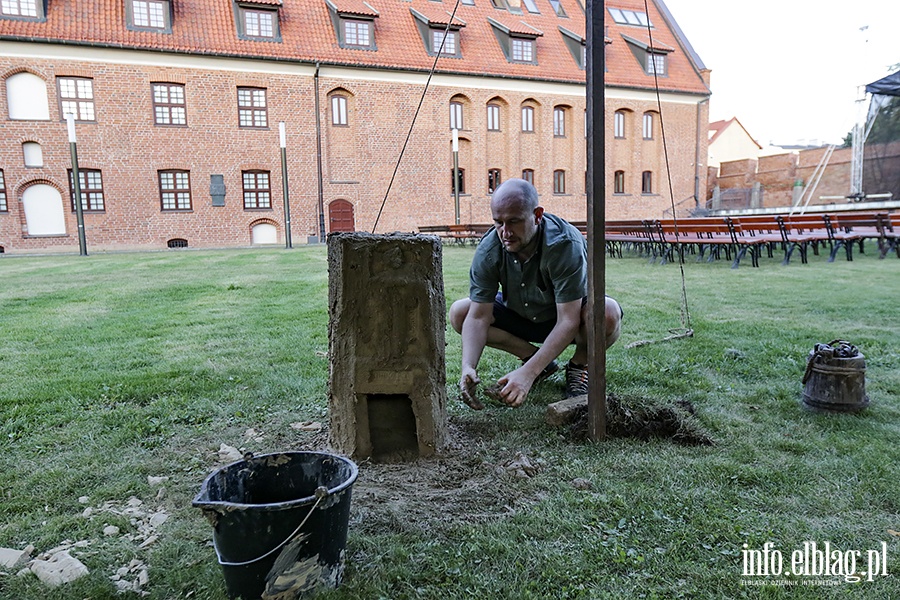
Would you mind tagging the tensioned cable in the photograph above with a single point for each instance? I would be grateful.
(437, 55)
(686, 330)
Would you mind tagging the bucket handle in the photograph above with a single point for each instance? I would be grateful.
(321, 493)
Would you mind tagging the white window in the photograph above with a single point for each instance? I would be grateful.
(19, 8)
(648, 126)
(619, 124)
(26, 97)
(559, 122)
(356, 33)
(630, 17)
(493, 117)
(77, 97)
(339, 110)
(531, 6)
(449, 41)
(522, 50)
(557, 8)
(252, 110)
(259, 23)
(33, 154)
(456, 115)
(149, 14)
(527, 118)
(656, 63)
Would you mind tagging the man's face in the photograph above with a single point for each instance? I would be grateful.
(515, 225)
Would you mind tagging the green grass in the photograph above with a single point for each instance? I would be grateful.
(115, 367)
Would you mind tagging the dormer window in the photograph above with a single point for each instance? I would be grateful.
(630, 17)
(22, 9)
(149, 15)
(441, 36)
(656, 64)
(577, 46)
(258, 20)
(653, 58)
(517, 39)
(354, 23)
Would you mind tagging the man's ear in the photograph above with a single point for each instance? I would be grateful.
(538, 214)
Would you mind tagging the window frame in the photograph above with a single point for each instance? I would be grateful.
(559, 122)
(340, 110)
(257, 191)
(528, 175)
(452, 36)
(619, 182)
(357, 23)
(461, 173)
(131, 16)
(651, 64)
(527, 119)
(175, 190)
(4, 204)
(619, 125)
(493, 117)
(81, 102)
(168, 106)
(495, 177)
(456, 114)
(252, 110)
(518, 53)
(647, 183)
(559, 181)
(91, 197)
(36, 5)
(647, 125)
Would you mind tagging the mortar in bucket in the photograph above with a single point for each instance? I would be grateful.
(835, 378)
(280, 522)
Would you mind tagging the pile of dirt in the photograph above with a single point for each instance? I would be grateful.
(643, 419)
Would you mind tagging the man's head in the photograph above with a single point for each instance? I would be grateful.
(516, 214)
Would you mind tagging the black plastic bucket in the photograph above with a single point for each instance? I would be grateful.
(280, 522)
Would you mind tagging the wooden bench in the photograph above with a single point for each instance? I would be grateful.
(847, 229)
(890, 231)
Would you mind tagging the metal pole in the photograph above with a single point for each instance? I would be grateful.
(321, 206)
(456, 171)
(596, 235)
(79, 211)
(284, 186)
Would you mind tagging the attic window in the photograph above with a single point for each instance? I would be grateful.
(149, 15)
(258, 20)
(22, 9)
(630, 17)
(517, 40)
(656, 64)
(354, 23)
(558, 9)
(522, 50)
(531, 6)
(440, 34)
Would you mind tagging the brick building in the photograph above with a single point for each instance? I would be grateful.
(178, 105)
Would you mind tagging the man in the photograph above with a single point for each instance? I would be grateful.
(540, 263)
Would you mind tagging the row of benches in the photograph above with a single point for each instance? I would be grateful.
(735, 237)
(739, 236)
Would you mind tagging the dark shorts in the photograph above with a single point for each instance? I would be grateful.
(514, 323)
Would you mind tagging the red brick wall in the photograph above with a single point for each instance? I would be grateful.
(358, 160)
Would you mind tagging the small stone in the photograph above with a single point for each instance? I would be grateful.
(307, 426)
(87, 512)
(83, 499)
(134, 502)
(110, 530)
(10, 558)
(149, 541)
(143, 577)
(122, 571)
(581, 484)
(158, 519)
(229, 453)
(154, 481)
(161, 493)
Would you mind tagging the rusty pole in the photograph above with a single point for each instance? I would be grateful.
(596, 218)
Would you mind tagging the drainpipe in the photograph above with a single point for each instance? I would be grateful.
(697, 156)
(319, 160)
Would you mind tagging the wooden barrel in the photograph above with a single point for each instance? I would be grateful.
(835, 383)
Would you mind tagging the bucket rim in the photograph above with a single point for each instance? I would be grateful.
(223, 506)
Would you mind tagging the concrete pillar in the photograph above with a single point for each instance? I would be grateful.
(756, 195)
(387, 392)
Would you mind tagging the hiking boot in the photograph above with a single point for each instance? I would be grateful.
(549, 370)
(576, 380)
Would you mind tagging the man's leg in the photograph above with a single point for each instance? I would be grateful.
(576, 370)
(496, 338)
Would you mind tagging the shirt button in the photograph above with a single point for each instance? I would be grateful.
(526, 304)
(523, 285)
(534, 318)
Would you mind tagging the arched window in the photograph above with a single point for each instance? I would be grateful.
(528, 119)
(647, 127)
(619, 182)
(26, 97)
(456, 115)
(493, 180)
(559, 181)
(460, 178)
(339, 110)
(493, 117)
(647, 182)
(559, 121)
(528, 175)
(619, 124)
(33, 154)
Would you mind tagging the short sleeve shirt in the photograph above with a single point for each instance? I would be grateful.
(555, 274)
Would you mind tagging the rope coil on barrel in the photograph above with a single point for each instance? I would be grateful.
(833, 349)
(321, 493)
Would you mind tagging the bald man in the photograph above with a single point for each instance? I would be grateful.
(528, 285)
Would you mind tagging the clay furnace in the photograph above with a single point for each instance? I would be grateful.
(387, 380)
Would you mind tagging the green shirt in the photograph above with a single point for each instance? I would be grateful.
(555, 274)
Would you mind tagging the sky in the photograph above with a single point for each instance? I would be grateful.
(790, 70)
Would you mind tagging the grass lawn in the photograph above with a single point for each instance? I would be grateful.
(119, 367)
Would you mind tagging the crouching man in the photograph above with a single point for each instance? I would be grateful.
(528, 285)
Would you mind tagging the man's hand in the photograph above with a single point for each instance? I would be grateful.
(515, 387)
(468, 387)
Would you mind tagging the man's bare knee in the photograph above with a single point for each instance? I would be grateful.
(458, 312)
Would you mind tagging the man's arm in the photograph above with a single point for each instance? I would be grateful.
(474, 339)
(517, 384)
